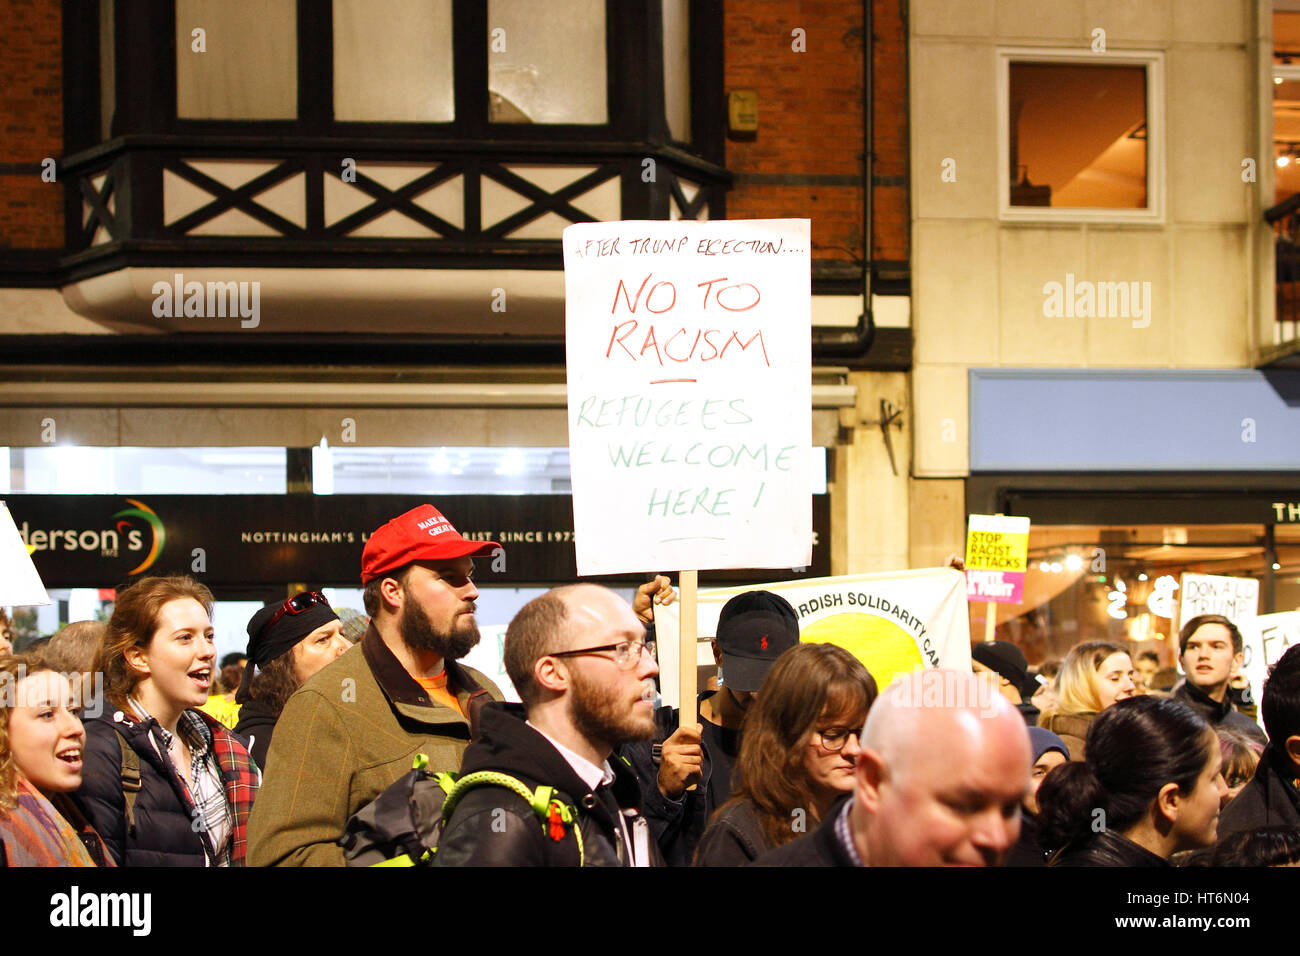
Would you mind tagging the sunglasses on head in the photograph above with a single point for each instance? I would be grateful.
(295, 605)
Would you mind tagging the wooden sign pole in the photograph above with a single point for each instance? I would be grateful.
(990, 620)
(688, 584)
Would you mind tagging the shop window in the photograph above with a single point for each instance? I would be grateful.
(677, 68)
(237, 59)
(1121, 583)
(1286, 105)
(546, 62)
(443, 471)
(413, 82)
(82, 470)
(344, 470)
(1080, 139)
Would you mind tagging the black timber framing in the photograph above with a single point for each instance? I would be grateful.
(48, 357)
(147, 135)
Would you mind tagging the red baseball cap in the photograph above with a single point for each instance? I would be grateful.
(422, 534)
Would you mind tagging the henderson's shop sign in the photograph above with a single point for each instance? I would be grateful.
(101, 541)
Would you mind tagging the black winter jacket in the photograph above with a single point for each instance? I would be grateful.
(163, 834)
(256, 725)
(734, 838)
(679, 825)
(1270, 799)
(1107, 848)
(478, 835)
(822, 847)
(1218, 713)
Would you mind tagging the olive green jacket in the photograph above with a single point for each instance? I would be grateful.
(343, 738)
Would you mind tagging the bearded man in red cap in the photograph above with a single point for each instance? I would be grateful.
(355, 727)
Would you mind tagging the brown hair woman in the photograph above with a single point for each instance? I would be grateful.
(196, 781)
(797, 755)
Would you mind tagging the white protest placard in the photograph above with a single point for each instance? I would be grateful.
(894, 622)
(1237, 599)
(690, 394)
(20, 585)
(1265, 639)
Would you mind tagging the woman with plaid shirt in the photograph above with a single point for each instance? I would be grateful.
(164, 784)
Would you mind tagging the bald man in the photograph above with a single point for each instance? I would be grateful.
(943, 768)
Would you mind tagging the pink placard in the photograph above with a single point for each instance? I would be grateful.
(1001, 587)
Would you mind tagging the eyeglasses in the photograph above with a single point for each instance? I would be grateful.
(627, 654)
(834, 739)
(295, 605)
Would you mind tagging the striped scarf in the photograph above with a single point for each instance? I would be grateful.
(34, 834)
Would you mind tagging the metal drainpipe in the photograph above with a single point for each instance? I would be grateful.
(868, 155)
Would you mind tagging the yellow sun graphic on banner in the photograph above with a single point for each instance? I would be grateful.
(884, 648)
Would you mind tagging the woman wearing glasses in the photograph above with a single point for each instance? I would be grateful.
(288, 642)
(797, 754)
(164, 784)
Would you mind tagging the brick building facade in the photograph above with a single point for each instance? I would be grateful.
(31, 117)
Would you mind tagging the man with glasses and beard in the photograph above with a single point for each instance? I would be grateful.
(578, 658)
(355, 727)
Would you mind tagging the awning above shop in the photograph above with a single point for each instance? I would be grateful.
(1097, 420)
(296, 407)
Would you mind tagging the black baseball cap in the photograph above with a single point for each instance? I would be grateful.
(754, 629)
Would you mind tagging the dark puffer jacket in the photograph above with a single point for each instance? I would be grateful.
(478, 834)
(163, 834)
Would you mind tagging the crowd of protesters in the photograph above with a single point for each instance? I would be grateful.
(344, 740)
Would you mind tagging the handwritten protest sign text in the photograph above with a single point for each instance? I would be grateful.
(689, 376)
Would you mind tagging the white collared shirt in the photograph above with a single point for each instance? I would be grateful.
(587, 771)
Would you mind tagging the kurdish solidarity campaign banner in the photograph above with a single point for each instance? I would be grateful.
(689, 349)
(894, 622)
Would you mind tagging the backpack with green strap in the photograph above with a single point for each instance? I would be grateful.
(401, 826)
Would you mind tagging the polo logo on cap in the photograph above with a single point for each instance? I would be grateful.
(762, 642)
